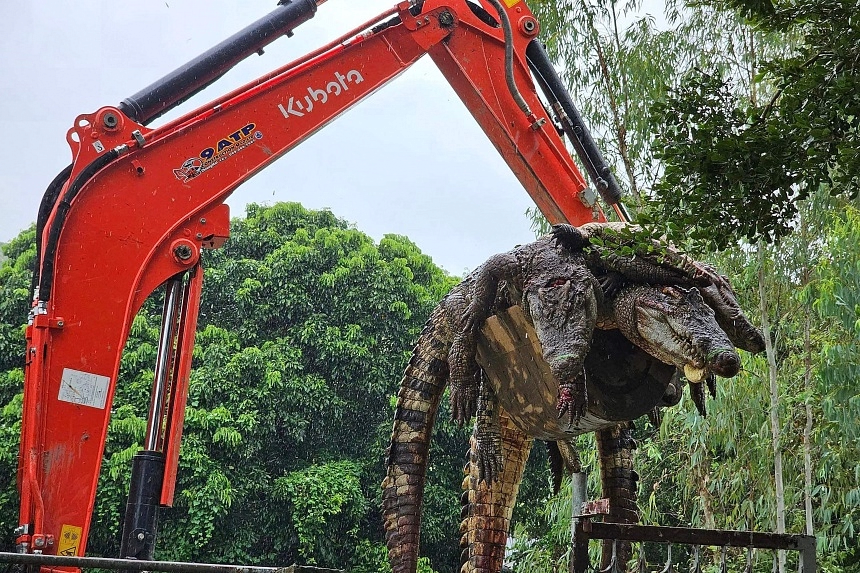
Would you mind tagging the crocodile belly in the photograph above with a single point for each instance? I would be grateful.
(624, 382)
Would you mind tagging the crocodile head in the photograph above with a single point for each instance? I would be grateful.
(561, 300)
(676, 326)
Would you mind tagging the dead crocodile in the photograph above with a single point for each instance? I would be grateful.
(672, 324)
(561, 298)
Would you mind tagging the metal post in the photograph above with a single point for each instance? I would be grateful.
(579, 495)
(808, 559)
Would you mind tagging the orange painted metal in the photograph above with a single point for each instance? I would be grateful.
(472, 62)
(127, 227)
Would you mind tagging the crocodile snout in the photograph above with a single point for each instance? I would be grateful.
(726, 364)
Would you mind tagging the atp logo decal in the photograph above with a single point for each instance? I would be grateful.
(211, 156)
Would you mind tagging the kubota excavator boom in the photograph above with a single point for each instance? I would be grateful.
(138, 204)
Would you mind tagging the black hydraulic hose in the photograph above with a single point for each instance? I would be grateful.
(185, 81)
(49, 199)
(509, 58)
(573, 124)
(46, 276)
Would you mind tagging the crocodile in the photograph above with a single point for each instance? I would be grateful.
(546, 278)
(625, 252)
(675, 327)
(618, 253)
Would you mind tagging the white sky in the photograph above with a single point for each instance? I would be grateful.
(409, 160)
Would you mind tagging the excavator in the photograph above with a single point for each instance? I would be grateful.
(137, 205)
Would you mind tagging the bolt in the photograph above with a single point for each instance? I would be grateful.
(183, 252)
(202, 220)
(529, 25)
(39, 542)
(141, 536)
(60, 324)
(199, 235)
(446, 19)
(110, 120)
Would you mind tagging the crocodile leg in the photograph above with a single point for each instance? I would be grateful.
(487, 508)
(417, 404)
(618, 480)
(488, 433)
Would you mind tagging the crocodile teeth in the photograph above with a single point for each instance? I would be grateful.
(694, 374)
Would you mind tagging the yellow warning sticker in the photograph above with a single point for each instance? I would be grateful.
(512, 3)
(70, 540)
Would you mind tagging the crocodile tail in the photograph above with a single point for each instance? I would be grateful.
(486, 510)
(406, 458)
(619, 480)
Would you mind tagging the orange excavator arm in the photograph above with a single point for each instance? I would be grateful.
(137, 205)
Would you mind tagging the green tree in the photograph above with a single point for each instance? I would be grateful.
(759, 112)
(741, 163)
(305, 327)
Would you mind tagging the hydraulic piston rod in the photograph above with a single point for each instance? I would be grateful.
(172, 302)
(147, 470)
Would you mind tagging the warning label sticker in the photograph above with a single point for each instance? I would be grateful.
(511, 3)
(83, 388)
(70, 538)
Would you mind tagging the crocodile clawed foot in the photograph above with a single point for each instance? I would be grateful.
(464, 404)
(611, 283)
(472, 319)
(568, 237)
(490, 461)
(573, 401)
(655, 416)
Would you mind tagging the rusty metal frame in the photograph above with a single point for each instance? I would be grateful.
(585, 530)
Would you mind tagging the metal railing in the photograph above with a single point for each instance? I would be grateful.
(141, 565)
(585, 530)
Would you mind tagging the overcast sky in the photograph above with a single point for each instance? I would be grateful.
(409, 160)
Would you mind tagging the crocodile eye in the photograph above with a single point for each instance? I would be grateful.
(556, 283)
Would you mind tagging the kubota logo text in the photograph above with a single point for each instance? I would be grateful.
(212, 156)
(305, 104)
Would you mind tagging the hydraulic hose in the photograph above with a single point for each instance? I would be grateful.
(509, 58)
(187, 80)
(49, 199)
(574, 127)
(46, 276)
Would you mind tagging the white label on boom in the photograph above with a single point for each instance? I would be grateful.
(84, 388)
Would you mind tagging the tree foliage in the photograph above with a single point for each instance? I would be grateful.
(739, 162)
(751, 134)
(305, 327)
